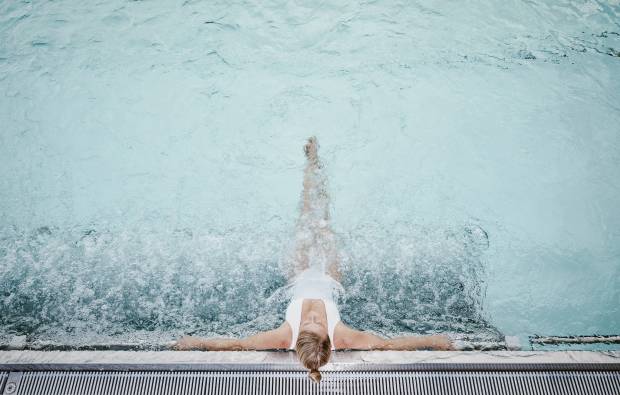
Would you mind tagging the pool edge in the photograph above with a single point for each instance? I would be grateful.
(197, 358)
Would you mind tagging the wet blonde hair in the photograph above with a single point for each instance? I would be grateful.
(313, 352)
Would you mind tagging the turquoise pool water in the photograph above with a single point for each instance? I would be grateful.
(151, 164)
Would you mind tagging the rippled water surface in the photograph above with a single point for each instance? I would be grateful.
(151, 165)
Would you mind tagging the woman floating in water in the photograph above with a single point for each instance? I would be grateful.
(313, 327)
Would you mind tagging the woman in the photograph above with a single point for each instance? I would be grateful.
(312, 326)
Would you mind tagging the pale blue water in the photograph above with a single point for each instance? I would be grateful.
(151, 164)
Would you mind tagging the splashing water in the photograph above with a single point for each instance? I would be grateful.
(83, 286)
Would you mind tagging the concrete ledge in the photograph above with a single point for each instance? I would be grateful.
(275, 357)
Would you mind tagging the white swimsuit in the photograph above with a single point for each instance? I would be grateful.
(313, 284)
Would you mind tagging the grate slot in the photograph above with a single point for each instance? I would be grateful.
(3, 377)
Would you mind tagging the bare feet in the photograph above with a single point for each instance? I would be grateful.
(311, 149)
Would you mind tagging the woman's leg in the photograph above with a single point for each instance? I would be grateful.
(315, 242)
(333, 260)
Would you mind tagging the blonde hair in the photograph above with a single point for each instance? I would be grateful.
(313, 352)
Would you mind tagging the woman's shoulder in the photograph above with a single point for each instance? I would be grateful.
(286, 329)
(285, 332)
(342, 335)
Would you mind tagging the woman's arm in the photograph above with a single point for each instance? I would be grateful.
(273, 339)
(359, 340)
(429, 342)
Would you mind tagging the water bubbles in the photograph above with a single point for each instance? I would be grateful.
(96, 284)
(424, 279)
(477, 236)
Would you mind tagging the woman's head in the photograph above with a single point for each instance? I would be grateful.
(313, 351)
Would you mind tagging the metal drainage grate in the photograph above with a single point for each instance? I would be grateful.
(3, 377)
(463, 382)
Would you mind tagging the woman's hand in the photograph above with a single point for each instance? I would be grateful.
(441, 343)
(189, 343)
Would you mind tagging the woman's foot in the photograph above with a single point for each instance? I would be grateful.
(311, 149)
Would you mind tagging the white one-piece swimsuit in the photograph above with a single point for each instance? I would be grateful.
(313, 284)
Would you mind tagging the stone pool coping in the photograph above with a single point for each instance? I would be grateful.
(275, 357)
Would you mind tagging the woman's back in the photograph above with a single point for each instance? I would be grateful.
(310, 285)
